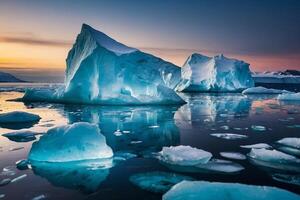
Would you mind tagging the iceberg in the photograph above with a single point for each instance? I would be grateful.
(263, 90)
(157, 182)
(21, 136)
(103, 71)
(18, 120)
(289, 97)
(217, 74)
(184, 155)
(197, 190)
(79, 141)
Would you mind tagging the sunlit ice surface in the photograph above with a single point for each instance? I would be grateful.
(143, 131)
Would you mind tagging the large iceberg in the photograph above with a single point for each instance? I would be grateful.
(101, 70)
(79, 141)
(197, 190)
(215, 74)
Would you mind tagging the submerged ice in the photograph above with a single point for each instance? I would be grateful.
(197, 190)
(79, 141)
(101, 70)
(218, 74)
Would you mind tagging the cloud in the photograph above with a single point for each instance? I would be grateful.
(35, 41)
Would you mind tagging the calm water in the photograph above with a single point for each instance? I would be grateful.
(150, 128)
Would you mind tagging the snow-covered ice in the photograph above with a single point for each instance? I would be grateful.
(18, 117)
(79, 141)
(158, 182)
(198, 190)
(233, 155)
(291, 141)
(289, 97)
(184, 155)
(229, 136)
(101, 70)
(258, 128)
(263, 90)
(217, 74)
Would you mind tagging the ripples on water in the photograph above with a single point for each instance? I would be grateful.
(144, 131)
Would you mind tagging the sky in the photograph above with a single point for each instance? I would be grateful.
(35, 36)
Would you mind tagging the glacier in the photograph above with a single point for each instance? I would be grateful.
(79, 141)
(197, 190)
(103, 71)
(214, 74)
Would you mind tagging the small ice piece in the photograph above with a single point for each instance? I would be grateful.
(8, 171)
(18, 178)
(291, 142)
(258, 128)
(79, 141)
(233, 155)
(224, 127)
(229, 136)
(18, 117)
(21, 136)
(184, 155)
(117, 133)
(154, 126)
(287, 178)
(2, 196)
(40, 197)
(289, 97)
(294, 126)
(257, 146)
(263, 90)
(220, 166)
(196, 190)
(5, 181)
(124, 155)
(22, 164)
(157, 182)
(136, 142)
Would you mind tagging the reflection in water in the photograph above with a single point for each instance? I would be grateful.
(85, 176)
(139, 129)
(213, 108)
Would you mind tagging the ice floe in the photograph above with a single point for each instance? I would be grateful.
(287, 178)
(184, 155)
(289, 97)
(263, 90)
(233, 155)
(18, 120)
(258, 128)
(257, 146)
(196, 190)
(229, 136)
(21, 136)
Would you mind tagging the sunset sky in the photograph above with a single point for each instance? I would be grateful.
(35, 36)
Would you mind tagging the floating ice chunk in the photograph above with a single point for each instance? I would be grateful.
(274, 159)
(18, 178)
(258, 128)
(229, 136)
(79, 141)
(5, 181)
(289, 97)
(184, 155)
(233, 155)
(202, 73)
(224, 127)
(42, 196)
(22, 164)
(196, 190)
(18, 120)
(221, 166)
(287, 178)
(291, 142)
(124, 155)
(21, 136)
(294, 126)
(85, 175)
(263, 90)
(18, 117)
(257, 146)
(2, 196)
(8, 171)
(157, 182)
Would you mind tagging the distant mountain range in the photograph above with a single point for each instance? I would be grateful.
(288, 72)
(8, 78)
